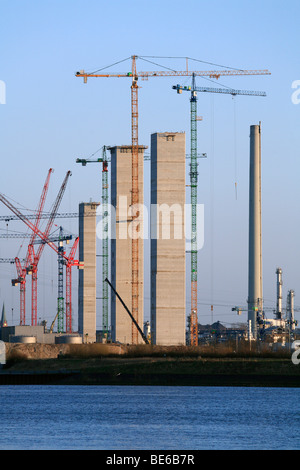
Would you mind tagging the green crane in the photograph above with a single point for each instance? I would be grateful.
(104, 161)
(194, 188)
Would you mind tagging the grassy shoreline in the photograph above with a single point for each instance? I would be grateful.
(98, 364)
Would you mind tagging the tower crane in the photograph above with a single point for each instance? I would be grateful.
(21, 270)
(34, 258)
(104, 161)
(61, 262)
(52, 245)
(134, 75)
(194, 189)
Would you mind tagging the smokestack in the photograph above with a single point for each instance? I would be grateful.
(279, 294)
(255, 248)
(291, 310)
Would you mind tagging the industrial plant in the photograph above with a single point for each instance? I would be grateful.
(124, 227)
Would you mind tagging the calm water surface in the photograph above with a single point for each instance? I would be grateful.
(148, 418)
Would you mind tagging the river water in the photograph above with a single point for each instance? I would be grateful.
(148, 418)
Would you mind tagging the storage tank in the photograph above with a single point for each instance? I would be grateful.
(68, 339)
(22, 339)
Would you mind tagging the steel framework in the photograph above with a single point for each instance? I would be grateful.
(104, 160)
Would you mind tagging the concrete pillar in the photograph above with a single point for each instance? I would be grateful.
(168, 281)
(255, 248)
(87, 276)
(121, 252)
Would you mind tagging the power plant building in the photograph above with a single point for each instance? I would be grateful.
(168, 281)
(122, 230)
(87, 276)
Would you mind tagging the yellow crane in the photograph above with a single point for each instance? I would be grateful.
(134, 75)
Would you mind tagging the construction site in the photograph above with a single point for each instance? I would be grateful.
(120, 222)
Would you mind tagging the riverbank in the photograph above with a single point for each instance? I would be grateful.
(122, 365)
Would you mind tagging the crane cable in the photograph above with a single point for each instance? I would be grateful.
(212, 204)
(234, 144)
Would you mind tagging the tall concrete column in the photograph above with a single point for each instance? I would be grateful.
(87, 276)
(121, 243)
(168, 275)
(255, 244)
(279, 294)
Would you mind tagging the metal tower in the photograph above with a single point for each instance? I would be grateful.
(61, 263)
(194, 189)
(105, 297)
(60, 295)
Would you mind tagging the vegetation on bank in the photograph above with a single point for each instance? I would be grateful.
(242, 350)
(107, 364)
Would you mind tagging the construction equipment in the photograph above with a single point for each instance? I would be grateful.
(129, 313)
(52, 245)
(60, 286)
(194, 190)
(134, 76)
(34, 258)
(53, 323)
(60, 296)
(9, 260)
(22, 270)
(70, 262)
(45, 215)
(104, 161)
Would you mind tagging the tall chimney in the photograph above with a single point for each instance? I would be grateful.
(291, 310)
(279, 294)
(255, 247)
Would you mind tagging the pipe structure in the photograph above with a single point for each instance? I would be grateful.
(255, 243)
(291, 310)
(279, 294)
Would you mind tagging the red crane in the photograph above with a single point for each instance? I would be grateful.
(69, 264)
(35, 257)
(21, 271)
(68, 260)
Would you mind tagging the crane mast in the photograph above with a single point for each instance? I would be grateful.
(60, 296)
(134, 201)
(105, 244)
(104, 161)
(194, 190)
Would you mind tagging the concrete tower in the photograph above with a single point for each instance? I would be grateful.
(255, 245)
(121, 252)
(87, 276)
(168, 238)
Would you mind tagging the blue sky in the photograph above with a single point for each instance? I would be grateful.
(50, 118)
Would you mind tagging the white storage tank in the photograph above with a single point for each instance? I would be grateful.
(22, 339)
(68, 339)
